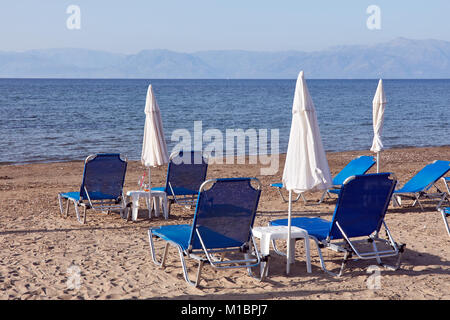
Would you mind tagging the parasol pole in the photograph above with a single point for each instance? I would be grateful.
(288, 263)
(378, 161)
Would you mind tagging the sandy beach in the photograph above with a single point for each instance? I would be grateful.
(41, 250)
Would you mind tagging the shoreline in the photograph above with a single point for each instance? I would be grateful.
(236, 157)
(221, 79)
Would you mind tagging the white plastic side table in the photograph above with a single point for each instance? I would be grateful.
(160, 200)
(271, 233)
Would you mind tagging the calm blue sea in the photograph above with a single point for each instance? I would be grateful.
(43, 120)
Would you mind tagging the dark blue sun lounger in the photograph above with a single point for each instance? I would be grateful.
(358, 217)
(101, 186)
(223, 220)
(419, 185)
(185, 173)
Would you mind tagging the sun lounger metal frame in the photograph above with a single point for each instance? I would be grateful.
(445, 213)
(349, 248)
(205, 255)
(446, 182)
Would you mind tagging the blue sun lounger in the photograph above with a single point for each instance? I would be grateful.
(418, 186)
(357, 220)
(185, 173)
(357, 166)
(223, 221)
(101, 186)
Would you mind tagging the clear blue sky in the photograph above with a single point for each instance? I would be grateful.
(193, 25)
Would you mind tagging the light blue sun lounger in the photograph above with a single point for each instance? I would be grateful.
(101, 186)
(445, 211)
(358, 217)
(222, 224)
(419, 185)
(357, 166)
(185, 173)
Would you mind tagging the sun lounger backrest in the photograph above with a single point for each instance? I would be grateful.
(103, 176)
(362, 205)
(225, 213)
(426, 177)
(355, 167)
(186, 172)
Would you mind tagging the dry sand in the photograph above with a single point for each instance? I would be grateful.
(112, 255)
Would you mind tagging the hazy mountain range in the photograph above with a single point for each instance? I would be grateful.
(399, 58)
